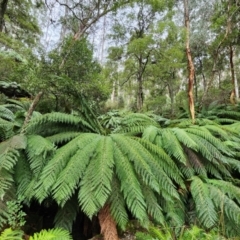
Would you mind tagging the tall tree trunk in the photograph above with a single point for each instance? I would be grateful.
(140, 93)
(107, 224)
(234, 94)
(3, 8)
(190, 62)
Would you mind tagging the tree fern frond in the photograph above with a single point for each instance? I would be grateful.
(6, 181)
(204, 205)
(38, 124)
(139, 156)
(75, 168)
(225, 204)
(172, 146)
(234, 164)
(167, 164)
(133, 130)
(66, 215)
(186, 170)
(61, 138)
(130, 185)
(184, 138)
(153, 208)
(22, 175)
(219, 131)
(8, 159)
(38, 150)
(205, 135)
(96, 188)
(135, 123)
(209, 151)
(117, 204)
(6, 114)
(150, 133)
(227, 188)
(175, 213)
(212, 170)
(9, 154)
(60, 160)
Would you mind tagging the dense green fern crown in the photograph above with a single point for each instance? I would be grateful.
(116, 160)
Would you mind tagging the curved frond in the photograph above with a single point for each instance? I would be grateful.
(60, 160)
(203, 133)
(96, 188)
(153, 208)
(136, 153)
(130, 185)
(164, 161)
(22, 176)
(67, 181)
(172, 146)
(51, 123)
(225, 204)
(38, 150)
(184, 138)
(6, 114)
(204, 205)
(117, 204)
(135, 123)
(61, 138)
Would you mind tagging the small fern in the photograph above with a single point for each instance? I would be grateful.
(52, 234)
(10, 234)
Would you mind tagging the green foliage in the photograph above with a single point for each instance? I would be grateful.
(10, 234)
(79, 75)
(52, 234)
(15, 215)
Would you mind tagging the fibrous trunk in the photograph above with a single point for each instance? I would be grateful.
(107, 224)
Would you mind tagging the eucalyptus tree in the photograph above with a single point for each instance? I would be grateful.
(140, 42)
(225, 23)
(18, 24)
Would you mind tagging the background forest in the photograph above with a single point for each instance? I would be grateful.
(119, 119)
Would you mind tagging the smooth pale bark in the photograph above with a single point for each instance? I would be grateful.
(190, 62)
(107, 224)
(234, 93)
(3, 8)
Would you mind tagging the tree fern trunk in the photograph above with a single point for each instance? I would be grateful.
(107, 224)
